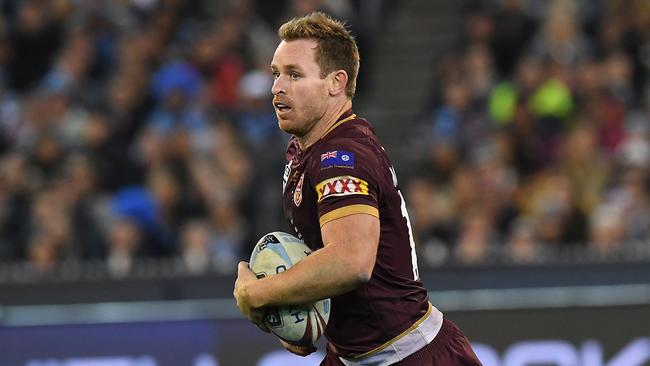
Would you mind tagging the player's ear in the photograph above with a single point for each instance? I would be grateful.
(338, 82)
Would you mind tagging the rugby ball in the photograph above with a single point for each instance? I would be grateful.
(301, 324)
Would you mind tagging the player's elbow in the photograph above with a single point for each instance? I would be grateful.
(363, 266)
(363, 277)
(362, 273)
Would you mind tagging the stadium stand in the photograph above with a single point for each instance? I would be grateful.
(140, 160)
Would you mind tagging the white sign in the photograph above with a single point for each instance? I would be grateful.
(563, 353)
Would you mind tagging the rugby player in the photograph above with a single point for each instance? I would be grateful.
(340, 195)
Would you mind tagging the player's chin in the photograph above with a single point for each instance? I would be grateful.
(289, 126)
(284, 115)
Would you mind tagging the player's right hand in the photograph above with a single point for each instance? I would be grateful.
(299, 350)
(245, 276)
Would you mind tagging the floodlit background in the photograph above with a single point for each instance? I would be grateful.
(140, 159)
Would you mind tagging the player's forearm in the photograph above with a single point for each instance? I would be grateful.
(326, 273)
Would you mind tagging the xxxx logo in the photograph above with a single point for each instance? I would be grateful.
(341, 186)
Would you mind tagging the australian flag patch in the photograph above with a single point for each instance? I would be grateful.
(337, 158)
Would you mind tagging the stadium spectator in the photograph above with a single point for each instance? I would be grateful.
(559, 110)
(15, 200)
(542, 118)
(195, 244)
(125, 240)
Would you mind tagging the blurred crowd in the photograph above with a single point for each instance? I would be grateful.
(143, 128)
(140, 128)
(539, 135)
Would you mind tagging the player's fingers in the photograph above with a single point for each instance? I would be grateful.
(304, 351)
(243, 265)
(262, 327)
(258, 319)
(310, 349)
(299, 350)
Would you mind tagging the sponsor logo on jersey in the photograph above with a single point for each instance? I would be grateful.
(337, 158)
(341, 186)
(297, 194)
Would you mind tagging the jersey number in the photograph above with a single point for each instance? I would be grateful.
(405, 214)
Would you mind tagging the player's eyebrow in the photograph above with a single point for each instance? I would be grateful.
(290, 67)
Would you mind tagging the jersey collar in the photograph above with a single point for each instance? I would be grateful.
(294, 149)
(345, 117)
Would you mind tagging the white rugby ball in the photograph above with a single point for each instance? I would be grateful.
(300, 324)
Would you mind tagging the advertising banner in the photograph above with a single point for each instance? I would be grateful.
(580, 336)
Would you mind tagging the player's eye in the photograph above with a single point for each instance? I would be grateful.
(294, 75)
(276, 75)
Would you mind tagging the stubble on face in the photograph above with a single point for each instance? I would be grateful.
(304, 122)
(306, 95)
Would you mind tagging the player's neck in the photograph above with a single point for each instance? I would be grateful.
(323, 125)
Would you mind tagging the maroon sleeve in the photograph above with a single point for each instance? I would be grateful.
(345, 180)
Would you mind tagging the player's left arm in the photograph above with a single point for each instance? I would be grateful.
(345, 263)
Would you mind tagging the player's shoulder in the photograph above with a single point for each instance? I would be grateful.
(356, 134)
(356, 127)
(352, 144)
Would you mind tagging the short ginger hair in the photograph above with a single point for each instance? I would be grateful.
(336, 49)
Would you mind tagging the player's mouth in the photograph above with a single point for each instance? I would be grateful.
(281, 108)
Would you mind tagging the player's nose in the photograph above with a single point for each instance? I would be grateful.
(279, 86)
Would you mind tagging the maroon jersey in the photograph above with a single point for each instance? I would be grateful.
(348, 172)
